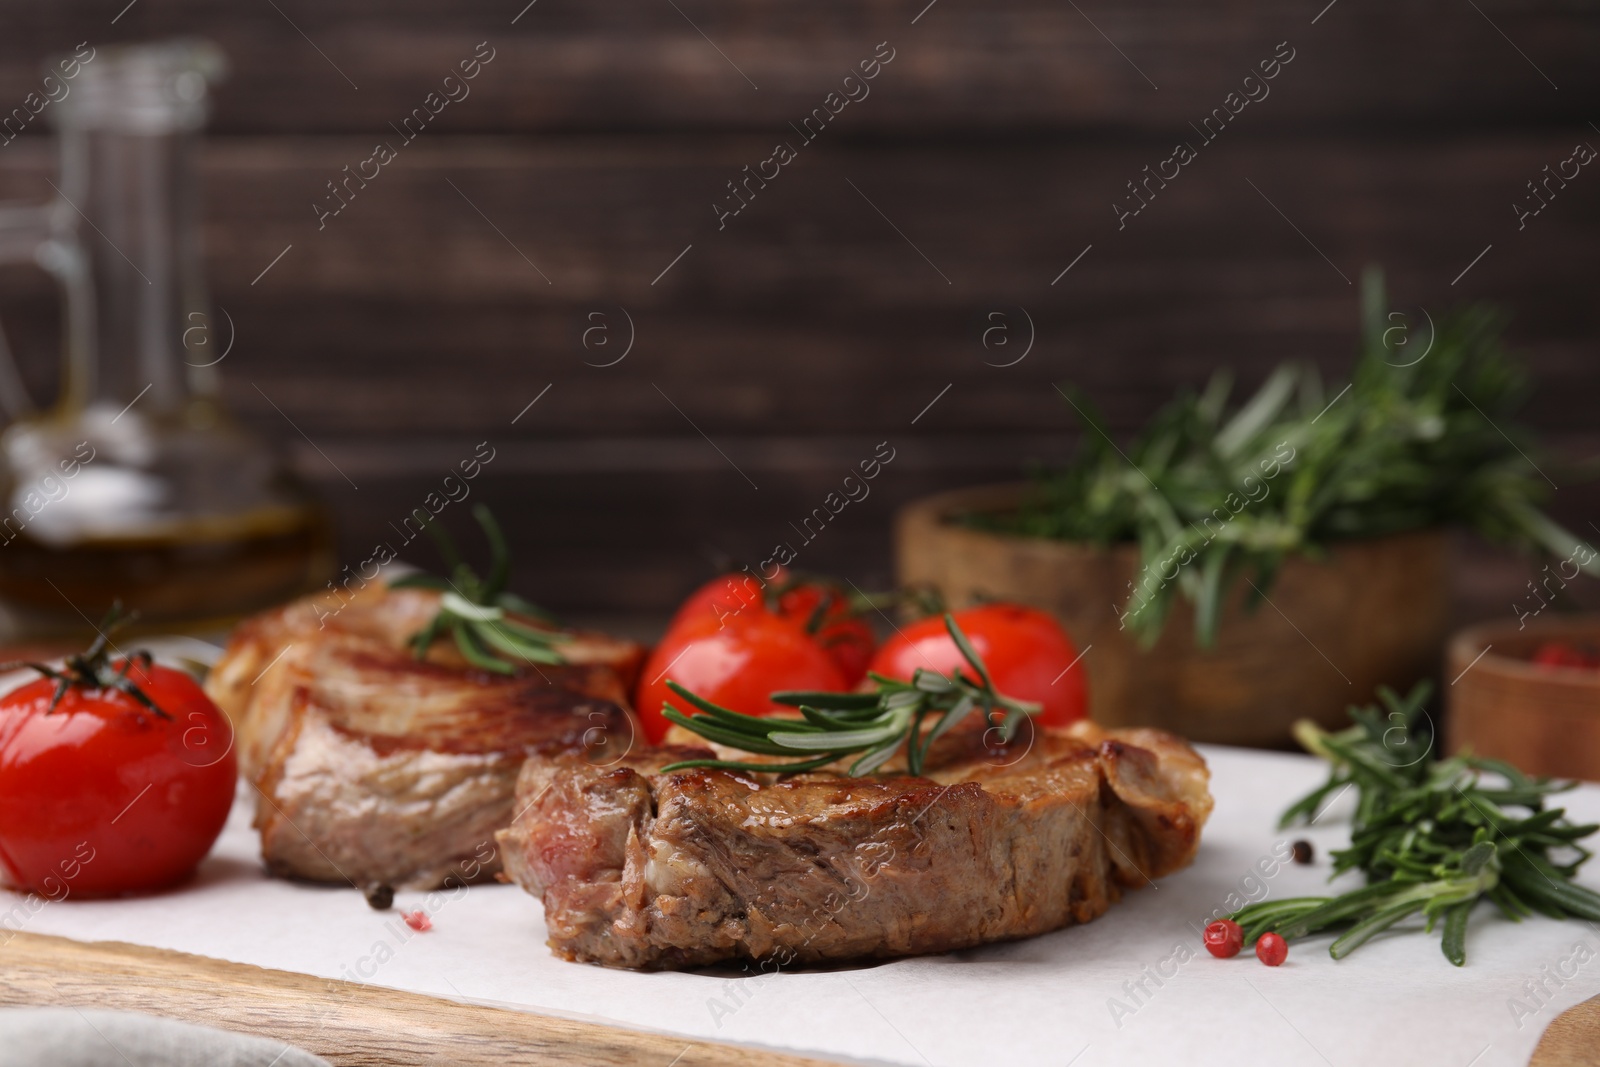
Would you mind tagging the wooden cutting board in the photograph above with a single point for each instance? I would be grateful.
(346, 1023)
(1572, 1040)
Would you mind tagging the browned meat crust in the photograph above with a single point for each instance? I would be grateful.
(375, 768)
(648, 870)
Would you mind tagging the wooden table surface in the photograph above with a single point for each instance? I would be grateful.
(346, 1023)
(1573, 1039)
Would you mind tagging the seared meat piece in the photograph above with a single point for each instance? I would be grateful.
(375, 768)
(648, 870)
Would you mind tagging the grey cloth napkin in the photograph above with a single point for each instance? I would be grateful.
(69, 1037)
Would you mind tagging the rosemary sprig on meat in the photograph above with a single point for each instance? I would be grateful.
(1432, 837)
(476, 612)
(873, 724)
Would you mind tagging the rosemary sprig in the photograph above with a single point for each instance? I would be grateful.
(1432, 836)
(874, 725)
(476, 612)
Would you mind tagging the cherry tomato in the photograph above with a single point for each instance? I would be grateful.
(736, 663)
(1564, 654)
(723, 597)
(1028, 655)
(1271, 949)
(842, 633)
(103, 796)
(1224, 939)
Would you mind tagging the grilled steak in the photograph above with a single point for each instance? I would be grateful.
(648, 870)
(375, 768)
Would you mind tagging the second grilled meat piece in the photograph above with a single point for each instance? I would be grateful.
(374, 768)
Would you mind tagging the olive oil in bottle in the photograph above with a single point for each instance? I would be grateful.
(137, 486)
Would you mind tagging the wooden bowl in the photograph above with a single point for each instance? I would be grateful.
(1374, 611)
(1545, 720)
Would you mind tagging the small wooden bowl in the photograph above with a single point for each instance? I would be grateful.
(1371, 612)
(1544, 720)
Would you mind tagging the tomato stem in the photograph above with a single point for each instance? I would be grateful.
(91, 669)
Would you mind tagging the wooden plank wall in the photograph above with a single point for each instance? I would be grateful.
(573, 188)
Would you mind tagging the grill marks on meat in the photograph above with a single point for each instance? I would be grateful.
(648, 870)
(375, 768)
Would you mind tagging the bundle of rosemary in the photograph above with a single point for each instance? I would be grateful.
(1420, 437)
(1433, 836)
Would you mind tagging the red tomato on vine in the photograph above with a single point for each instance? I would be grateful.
(115, 777)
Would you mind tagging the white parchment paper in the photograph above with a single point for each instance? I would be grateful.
(1133, 987)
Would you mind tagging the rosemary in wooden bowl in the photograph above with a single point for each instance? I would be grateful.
(1422, 436)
